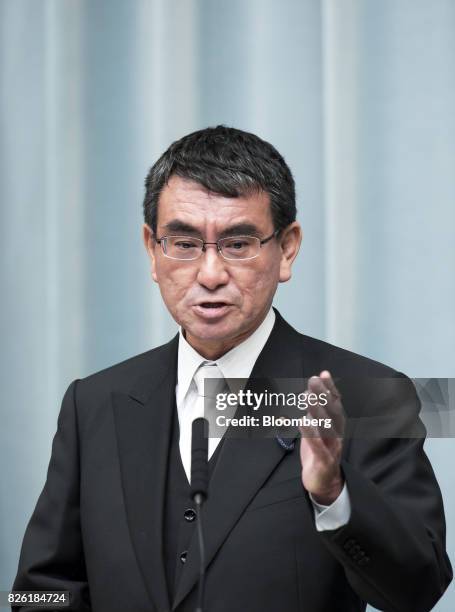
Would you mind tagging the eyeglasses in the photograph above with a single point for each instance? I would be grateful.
(231, 248)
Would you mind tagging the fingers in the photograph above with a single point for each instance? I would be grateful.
(329, 406)
(326, 378)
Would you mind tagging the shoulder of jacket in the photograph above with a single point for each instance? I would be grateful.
(120, 376)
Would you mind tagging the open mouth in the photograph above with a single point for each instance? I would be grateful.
(213, 304)
(212, 310)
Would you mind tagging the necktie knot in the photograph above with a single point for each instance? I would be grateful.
(211, 373)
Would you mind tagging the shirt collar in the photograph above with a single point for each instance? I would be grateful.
(236, 363)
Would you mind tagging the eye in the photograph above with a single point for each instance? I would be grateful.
(184, 245)
(236, 245)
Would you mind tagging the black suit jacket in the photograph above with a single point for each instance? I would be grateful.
(97, 526)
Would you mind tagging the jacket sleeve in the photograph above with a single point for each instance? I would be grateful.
(393, 547)
(52, 555)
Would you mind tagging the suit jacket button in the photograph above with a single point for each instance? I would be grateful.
(183, 556)
(189, 515)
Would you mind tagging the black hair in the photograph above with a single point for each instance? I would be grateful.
(229, 162)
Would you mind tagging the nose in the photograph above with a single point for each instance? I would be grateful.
(212, 271)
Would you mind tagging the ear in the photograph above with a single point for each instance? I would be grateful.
(290, 240)
(150, 246)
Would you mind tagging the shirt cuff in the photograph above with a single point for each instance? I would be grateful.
(334, 516)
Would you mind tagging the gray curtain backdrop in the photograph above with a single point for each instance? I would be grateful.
(358, 95)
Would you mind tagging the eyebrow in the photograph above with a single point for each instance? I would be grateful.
(176, 226)
(239, 229)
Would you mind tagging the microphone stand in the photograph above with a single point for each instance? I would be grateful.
(199, 492)
(200, 536)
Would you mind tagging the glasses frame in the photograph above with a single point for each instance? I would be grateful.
(162, 242)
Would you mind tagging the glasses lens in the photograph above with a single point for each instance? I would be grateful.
(183, 247)
(240, 247)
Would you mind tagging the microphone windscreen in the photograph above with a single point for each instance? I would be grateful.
(199, 458)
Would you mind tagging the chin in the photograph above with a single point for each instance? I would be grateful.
(214, 331)
(226, 328)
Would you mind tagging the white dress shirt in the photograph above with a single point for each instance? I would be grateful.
(238, 363)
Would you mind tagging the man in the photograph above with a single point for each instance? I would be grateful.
(317, 526)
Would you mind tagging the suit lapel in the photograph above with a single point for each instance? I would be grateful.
(244, 464)
(143, 423)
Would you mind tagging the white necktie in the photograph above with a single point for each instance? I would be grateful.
(196, 410)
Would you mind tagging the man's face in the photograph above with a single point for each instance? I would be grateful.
(243, 290)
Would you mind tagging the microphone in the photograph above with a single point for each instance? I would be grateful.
(199, 461)
(199, 491)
